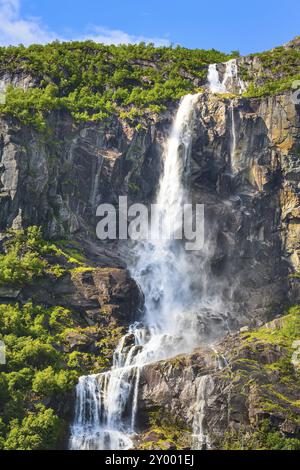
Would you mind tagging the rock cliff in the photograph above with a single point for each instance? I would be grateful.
(244, 167)
(248, 384)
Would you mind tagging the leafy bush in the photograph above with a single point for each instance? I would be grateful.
(47, 382)
(25, 257)
(39, 365)
(35, 365)
(93, 81)
(280, 67)
(37, 431)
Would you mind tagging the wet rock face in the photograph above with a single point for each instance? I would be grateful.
(172, 386)
(249, 379)
(244, 169)
(105, 297)
(59, 181)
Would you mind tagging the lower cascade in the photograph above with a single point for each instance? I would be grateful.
(200, 437)
(106, 404)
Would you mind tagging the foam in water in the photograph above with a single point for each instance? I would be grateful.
(230, 82)
(200, 436)
(106, 404)
(233, 139)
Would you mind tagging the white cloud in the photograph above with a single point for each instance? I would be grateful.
(111, 36)
(17, 30)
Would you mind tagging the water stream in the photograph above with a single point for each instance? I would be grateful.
(106, 404)
(230, 83)
(200, 435)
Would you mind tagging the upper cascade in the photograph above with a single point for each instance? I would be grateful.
(230, 81)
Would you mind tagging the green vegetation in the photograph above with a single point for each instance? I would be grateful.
(134, 188)
(25, 257)
(263, 438)
(264, 373)
(287, 332)
(44, 345)
(72, 250)
(94, 81)
(37, 431)
(165, 433)
(28, 257)
(35, 369)
(280, 67)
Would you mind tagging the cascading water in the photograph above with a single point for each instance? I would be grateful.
(200, 436)
(231, 81)
(106, 404)
(213, 78)
(233, 139)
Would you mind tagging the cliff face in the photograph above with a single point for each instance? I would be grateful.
(58, 180)
(244, 168)
(242, 392)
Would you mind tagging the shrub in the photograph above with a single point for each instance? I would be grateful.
(37, 431)
(47, 382)
(25, 257)
(94, 81)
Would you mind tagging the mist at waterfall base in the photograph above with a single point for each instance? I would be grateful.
(175, 321)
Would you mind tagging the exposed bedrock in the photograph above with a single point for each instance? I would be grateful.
(245, 381)
(243, 168)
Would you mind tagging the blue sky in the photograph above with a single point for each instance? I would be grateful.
(225, 25)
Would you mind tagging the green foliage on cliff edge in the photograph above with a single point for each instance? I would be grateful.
(265, 369)
(279, 69)
(24, 257)
(35, 373)
(93, 81)
(40, 369)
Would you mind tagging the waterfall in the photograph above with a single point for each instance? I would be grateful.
(231, 81)
(162, 268)
(214, 84)
(106, 404)
(200, 437)
(233, 139)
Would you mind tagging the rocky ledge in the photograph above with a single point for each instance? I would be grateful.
(243, 392)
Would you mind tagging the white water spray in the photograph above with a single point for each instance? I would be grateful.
(107, 404)
(231, 81)
(233, 139)
(200, 436)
